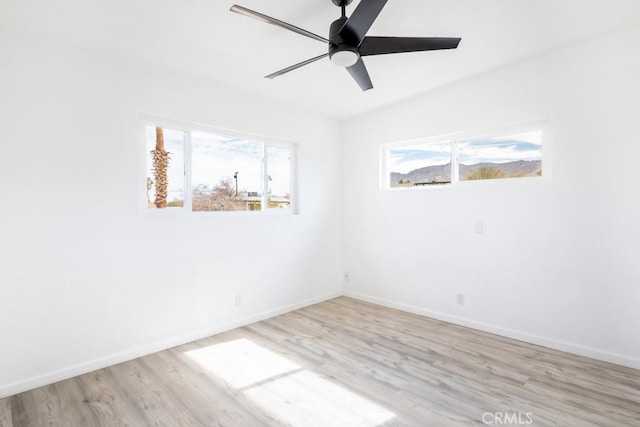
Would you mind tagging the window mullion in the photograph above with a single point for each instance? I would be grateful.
(188, 160)
(265, 178)
(455, 162)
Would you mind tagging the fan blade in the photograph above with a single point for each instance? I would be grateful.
(269, 20)
(294, 67)
(362, 18)
(385, 45)
(360, 74)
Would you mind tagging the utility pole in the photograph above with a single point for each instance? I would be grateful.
(235, 176)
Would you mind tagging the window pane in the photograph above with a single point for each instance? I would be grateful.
(511, 156)
(278, 173)
(171, 173)
(419, 165)
(227, 173)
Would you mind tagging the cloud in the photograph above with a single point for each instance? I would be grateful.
(522, 146)
(405, 160)
(225, 146)
(403, 156)
(212, 164)
(217, 157)
(214, 158)
(498, 150)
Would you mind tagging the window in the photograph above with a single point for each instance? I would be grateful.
(420, 164)
(278, 176)
(511, 156)
(226, 173)
(448, 161)
(223, 172)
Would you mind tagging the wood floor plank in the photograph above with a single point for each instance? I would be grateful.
(107, 401)
(155, 401)
(5, 413)
(341, 362)
(211, 400)
(207, 405)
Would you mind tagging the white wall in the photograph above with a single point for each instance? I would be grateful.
(85, 279)
(557, 263)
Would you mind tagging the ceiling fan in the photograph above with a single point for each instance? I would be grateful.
(348, 41)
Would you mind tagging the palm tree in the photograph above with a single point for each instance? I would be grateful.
(160, 167)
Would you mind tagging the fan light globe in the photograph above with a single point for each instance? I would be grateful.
(344, 58)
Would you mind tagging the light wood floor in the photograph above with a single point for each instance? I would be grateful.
(341, 363)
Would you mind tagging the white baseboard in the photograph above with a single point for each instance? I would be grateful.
(103, 362)
(92, 365)
(568, 347)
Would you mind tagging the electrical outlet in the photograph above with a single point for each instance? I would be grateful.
(460, 299)
(238, 300)
(346, 277)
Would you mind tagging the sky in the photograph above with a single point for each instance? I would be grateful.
(522, 146)
(408, 158)
(217, 158)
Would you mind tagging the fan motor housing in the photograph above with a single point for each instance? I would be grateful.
(341, 3)
(340, 43)
(335, 38)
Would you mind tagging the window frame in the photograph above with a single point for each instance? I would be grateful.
(459, 137)
(188, 128)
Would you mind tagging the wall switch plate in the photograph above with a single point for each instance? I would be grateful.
(479, 226)
(460, 299)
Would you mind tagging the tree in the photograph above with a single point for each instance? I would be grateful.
(160, 168)
(221, 197)
(486, 172)
(149, 187)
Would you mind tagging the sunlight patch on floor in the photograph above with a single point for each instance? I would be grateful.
(241, 363)
(305, 399)
(286, 391)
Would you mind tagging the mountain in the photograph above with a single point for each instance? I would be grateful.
(428, 174)
(441, 174)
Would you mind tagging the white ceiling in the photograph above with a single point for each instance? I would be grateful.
(202, 38)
